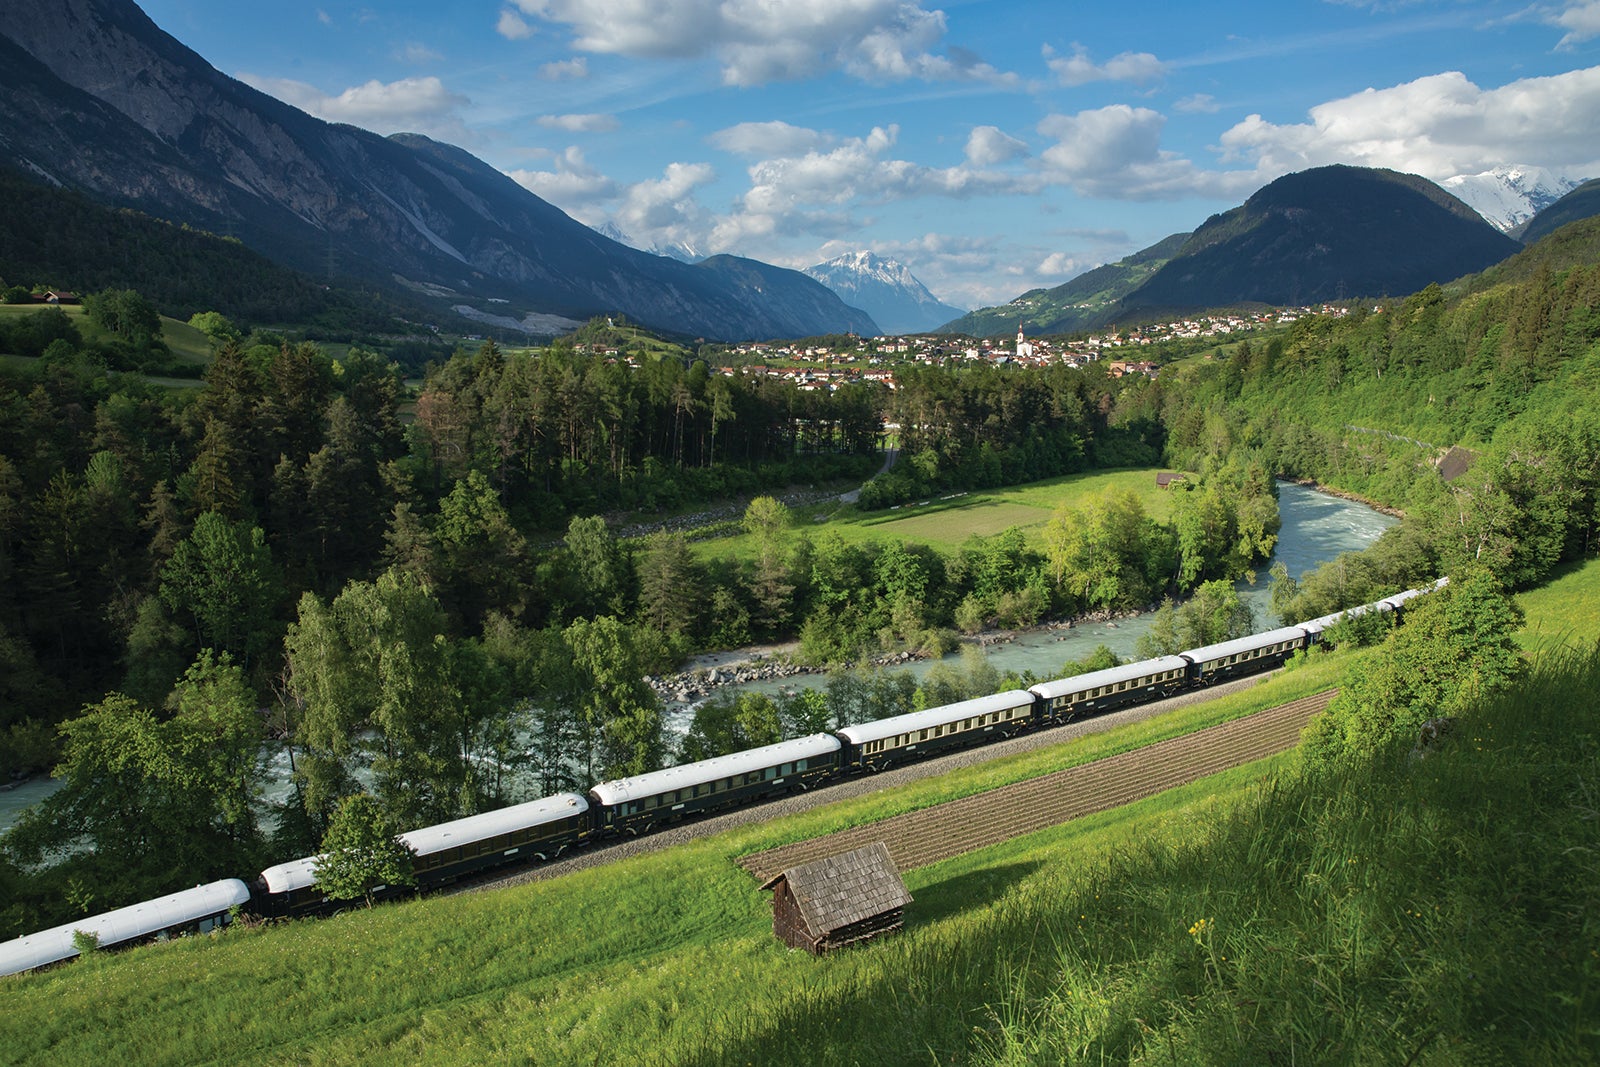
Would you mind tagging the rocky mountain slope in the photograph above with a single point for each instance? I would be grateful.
(886, 290)
(1507, 197)
(97, 98)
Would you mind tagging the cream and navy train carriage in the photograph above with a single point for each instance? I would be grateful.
(197, 910)
(541, 829)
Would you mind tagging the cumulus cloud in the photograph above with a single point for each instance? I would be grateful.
(565, 69)
(988, 146)
(580, 123)
(1437, 126)
(1140, 68)
(663, 211)
(1115, 153)
(574, 186)
(410, 105)
(512, 26)
(764, 139)
(759, 41)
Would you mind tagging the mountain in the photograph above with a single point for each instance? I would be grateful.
(97, 98)
(1080, 304)
(678, 250)
(1581, 203)
(886, 290)
(1329, 233)
(1507, 197)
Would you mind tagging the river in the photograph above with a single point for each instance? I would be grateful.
(1316, 528)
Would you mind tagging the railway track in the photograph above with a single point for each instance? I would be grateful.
(919, 838)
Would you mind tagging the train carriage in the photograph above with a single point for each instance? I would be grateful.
(1066, 699)
(197, 910)
(875, 745)
(633, 805)
(538, 829)
(1243, 655)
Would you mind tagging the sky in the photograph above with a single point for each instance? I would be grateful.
(993, 146)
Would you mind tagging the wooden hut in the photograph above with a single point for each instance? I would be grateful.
(837, 901)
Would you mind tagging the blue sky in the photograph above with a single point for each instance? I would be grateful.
(992, 145)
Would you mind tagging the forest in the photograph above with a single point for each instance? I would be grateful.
(425, 600)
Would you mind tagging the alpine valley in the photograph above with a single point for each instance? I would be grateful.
(101, 100)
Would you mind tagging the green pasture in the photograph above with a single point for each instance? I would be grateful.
(188, 344)
(946, 522)
(1565, 610)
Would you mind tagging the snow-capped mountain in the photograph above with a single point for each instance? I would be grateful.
(678, 250)
(1511, 195)
(886, 290)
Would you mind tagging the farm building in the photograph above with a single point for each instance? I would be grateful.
(837, 901)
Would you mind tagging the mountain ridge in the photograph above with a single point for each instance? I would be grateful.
(170, 135)
(885, 289)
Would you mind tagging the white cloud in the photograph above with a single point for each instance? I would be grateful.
(1581, 21)
(580, 123)
(758, 41)
(1115, 153)
(561, 71)
(418, 53)
(410, 105)
(1140, 68)
(988, 146)
(1437, 126)
(765, 139)
(512, 26)
(324, 18)
(1198, 104)
(574, 186)
(663, 211)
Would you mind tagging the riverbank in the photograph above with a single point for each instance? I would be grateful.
(703, 675)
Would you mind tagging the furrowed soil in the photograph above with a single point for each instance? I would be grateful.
(919, 838)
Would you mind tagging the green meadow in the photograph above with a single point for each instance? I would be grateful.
(1424, 911)
(945, 523)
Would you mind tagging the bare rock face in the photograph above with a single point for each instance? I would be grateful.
(99, 98)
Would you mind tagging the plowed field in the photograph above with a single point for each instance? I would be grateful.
(919, 838)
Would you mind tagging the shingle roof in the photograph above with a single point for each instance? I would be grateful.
(835, 892)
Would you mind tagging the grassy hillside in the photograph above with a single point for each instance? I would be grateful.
(1434, 911)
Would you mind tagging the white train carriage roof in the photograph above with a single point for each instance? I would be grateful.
(1400, 598)
(291, 876)
(861, 733)
(487, 824)
(302, 873)
(621, 790)
(125, 924)
(1127, 672)
(1240, 645)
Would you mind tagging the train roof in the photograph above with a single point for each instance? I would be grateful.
(1400, 598)
(620, 790)
(487, 824)
(302, 873)
(125, 924)
(861, 733)
(1127, 672)
(1223, 649)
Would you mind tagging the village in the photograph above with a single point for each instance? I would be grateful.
(816, 367)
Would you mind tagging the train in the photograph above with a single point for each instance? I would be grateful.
(543, 829)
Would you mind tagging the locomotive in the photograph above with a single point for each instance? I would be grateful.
(540, 830)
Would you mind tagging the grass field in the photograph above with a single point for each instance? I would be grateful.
(946, 523)
(1421, 906)
(1566, 610)
(188, 345)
